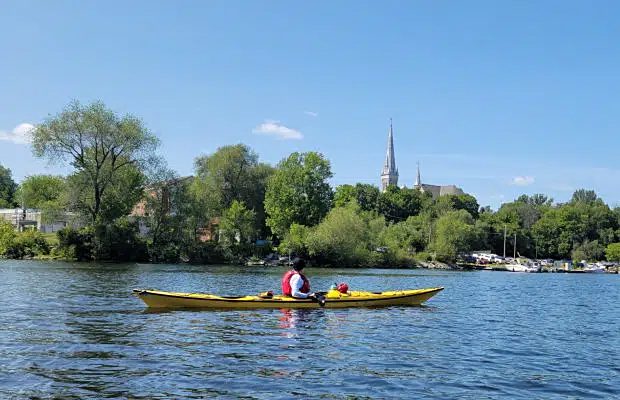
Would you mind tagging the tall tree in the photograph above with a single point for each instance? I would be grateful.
(232, 173)
(298, 192)
(103, 147)
(7, 188)
(38, 190)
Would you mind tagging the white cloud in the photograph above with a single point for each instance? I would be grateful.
(311, 113)
(21, 134)
(275, 128)
(523, 180)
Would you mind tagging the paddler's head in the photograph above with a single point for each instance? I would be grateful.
(299, 264)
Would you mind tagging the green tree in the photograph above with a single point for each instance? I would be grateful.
(105, 149)
(298, 192)
(366, 196)
(454, 233)
(589, 251)
(295, 241)
(44, 192)
(237, 224)
(7, 236)
(346, 237)
(398, 204)
(37, 191)
(7, 188)
(612, 252)
(232, 173)
(584, 196)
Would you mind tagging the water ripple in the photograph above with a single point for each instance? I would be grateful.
(73, 331)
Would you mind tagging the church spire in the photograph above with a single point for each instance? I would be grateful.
(389, 174)
(418, 181)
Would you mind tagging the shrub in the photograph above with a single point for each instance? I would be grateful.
(75, 244)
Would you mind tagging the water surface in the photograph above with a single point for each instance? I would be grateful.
(75, 331)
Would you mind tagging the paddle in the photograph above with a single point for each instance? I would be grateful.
(318, 297)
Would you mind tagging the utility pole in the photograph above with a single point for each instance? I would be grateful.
(504, 240)
(515, 250)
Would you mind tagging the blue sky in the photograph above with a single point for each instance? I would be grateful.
(499, 98)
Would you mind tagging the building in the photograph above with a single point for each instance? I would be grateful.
(23, 219)
(435, 190)
(389, 174)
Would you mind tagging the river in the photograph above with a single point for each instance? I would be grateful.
(74, 331)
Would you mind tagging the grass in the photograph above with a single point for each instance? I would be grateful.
(51, 238)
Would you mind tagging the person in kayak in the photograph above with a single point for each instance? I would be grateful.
(295, 284)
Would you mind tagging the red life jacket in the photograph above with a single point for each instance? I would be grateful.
(287, 290)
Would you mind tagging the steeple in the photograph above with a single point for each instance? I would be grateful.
(418, 181)
(389, 174)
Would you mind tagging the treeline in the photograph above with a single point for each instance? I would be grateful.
(131, 207)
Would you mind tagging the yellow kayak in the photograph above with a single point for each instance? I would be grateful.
(333, 299)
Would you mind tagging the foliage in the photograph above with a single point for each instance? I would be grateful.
(298, 192)
(75, 244)
(232, 173)
(398, 204)
(237, 224)
(37, 190)
(107, 152)
(295, 241)
(7, 235)
(7, 188)
(612, 252)
(27, 244)
(589, 251)
(346, 237)
(454, 233)
(119, 241)
(404, 239)
(366, 196)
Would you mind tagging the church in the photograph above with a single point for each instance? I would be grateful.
(389, 174)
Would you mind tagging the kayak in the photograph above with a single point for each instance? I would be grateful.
(333, 299)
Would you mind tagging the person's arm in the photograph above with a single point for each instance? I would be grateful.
(296, 284)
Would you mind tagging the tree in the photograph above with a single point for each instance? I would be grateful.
(454, 233)
(7, 188)
(237, 224)
(612, 252)
(7, 236)
(166, 213)
(346, 237)
(589, 251)
(232, 173)
(105, 149)
(38, 191)
(398, 204)
(452, 202)
(366, 196)
(584, 196)
(47, 193)
(298, 192)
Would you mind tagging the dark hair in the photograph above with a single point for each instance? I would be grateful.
(298, 264)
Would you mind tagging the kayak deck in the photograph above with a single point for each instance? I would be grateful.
(333, 299)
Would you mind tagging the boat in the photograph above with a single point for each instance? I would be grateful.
(523, 266)
(596, 268)
(333, 299)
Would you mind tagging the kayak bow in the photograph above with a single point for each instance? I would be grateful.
(333, 299)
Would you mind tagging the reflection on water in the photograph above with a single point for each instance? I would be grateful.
(74, 331)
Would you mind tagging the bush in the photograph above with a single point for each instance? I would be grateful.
(7, 235)
(26, 244)
(613, 252)
(204, 253)
(119, 241)
(75, 244)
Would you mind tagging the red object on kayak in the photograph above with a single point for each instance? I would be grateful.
(342, 287)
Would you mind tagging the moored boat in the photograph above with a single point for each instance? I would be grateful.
(333, 299)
